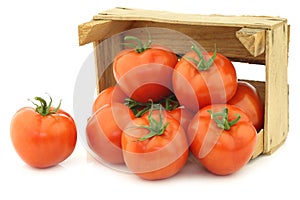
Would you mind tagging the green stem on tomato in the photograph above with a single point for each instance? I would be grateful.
(140, 108)
(139, 46)
(202, 64)
(136, 106)
(171, 102)
(221, 119)
(155, 127)
(44, 108)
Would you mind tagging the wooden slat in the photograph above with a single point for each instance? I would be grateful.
(191, 19)
(276, 99)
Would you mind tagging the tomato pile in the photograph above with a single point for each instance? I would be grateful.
(165, 108)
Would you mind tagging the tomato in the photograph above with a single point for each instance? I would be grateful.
(200, 80)
(145, 72)
(104, 131)
(222, 138)
(154, 146)
(247, 98)
(112, 94)
(43, 136)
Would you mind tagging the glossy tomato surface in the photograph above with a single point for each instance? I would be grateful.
(221, 151)
(104, 129)
(146, 75)
(43, 141)
(196, 88)
(158, 157)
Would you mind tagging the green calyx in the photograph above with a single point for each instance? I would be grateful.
(137, 44)
(155, 127)
(139, 108)
(43, 108)
(202, 64)
(221, 119)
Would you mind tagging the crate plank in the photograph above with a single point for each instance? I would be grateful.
(191, 19)
(99, 30)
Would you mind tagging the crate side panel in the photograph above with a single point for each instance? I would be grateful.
(276, 108)
(224, 38)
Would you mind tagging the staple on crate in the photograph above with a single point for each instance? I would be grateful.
(253, 40)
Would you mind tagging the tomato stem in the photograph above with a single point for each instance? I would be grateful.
(140, 108)
(155, 127)
(171, 102)
(139, 46)
(202, 64)
(221, 119)
(43, 108)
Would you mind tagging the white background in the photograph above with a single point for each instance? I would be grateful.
(40, 53)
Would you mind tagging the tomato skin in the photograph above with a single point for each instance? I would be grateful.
(222, 152)
(43, 141)
(150, 70)
(247, 98)
(104, 131)
(195, 88)
(158, 157)
(112, 94)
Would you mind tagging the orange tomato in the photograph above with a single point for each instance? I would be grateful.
(154, 146)
(104, 131)
(222, 138)
(145, 72)
(43, 136)
(200, 80)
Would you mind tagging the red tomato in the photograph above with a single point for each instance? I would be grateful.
(155, 146)
(247, 98)
(109, 95)
(221, 141)
(200, 80)
(43, 136)
(146, 68)
(104, 131)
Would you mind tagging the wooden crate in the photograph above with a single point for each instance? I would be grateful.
(248, 39)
